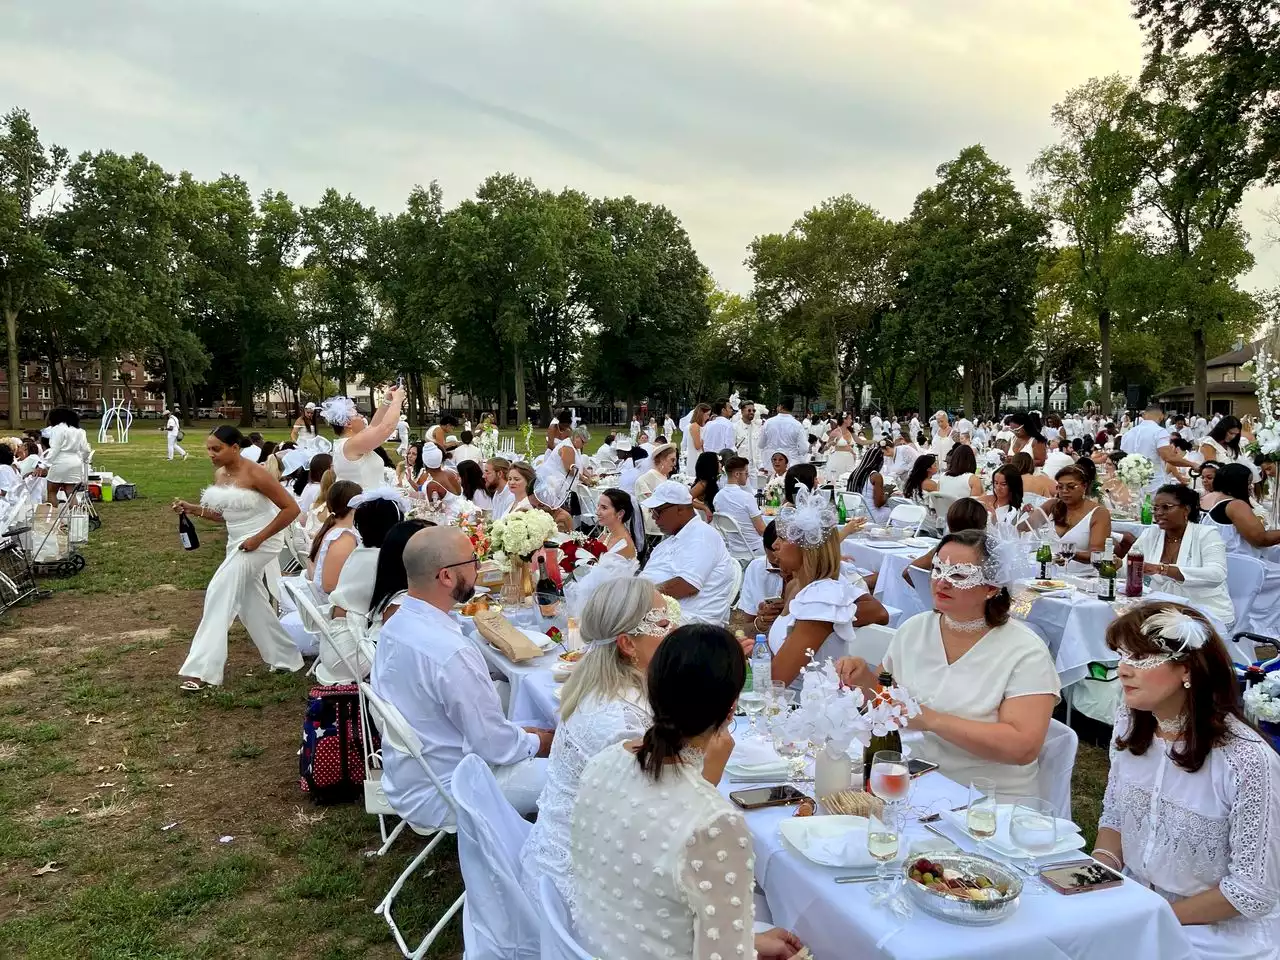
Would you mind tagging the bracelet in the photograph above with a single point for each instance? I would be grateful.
(1113, 857)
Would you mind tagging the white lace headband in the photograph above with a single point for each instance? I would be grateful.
(809, 521)
(339, 410)
(1177, 632)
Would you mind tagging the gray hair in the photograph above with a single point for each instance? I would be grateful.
(615, 607)
(581, 432)
(427, 552)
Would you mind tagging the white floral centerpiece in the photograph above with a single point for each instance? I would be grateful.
(1262, 700)
(522, 534)
(487, 440)
(776, 486)
(1135, 471)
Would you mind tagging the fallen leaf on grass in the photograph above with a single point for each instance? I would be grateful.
(50, 867)
(73, 810)
(92, 719)
(121, 766)
(164, 786)
(169, 826)
(104, 785)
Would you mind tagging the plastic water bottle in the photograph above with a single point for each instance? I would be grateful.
(762, 666)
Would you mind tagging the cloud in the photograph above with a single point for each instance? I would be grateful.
(738, 114)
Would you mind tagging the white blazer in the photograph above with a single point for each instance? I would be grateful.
(1202, 558)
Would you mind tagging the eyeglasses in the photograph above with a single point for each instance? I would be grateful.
(472, 561)
(1165, 507)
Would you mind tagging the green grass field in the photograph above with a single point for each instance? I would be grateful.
(115, 789)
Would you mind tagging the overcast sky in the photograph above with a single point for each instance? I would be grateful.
(737, 114)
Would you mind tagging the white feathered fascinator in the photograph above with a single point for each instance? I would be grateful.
(808, 522)
(1177, 632)
(381, 493)
(338, 410)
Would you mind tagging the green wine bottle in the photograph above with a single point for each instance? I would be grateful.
(887, 741)
(1146, 510)
(1044, 557)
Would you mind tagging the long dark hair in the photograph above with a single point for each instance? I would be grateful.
(1030, 422)
(472, 478)
(872, 462)
(319, 465)
(1012, 480)
(338, 503)
(1024, 463)
(694, 680)
(919, 473)
(707, 469)
(390, 577)
(996, 609)
(801, 473)
(229, 435)
(1232, 479)
(1219, 433)
(620, 500)
(961, 461)
(1214, 694)
(374, 519)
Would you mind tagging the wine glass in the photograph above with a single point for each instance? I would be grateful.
(981, 817)
(781, 697)
(791, 748)
(882, 844)
(1034, 828)
(752, 704)
(890, 776)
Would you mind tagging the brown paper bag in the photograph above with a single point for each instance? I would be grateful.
(508, 639)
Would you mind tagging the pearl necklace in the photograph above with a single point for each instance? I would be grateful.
(1173, 727)
(965, 626)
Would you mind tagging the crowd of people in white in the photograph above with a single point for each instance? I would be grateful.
(624, 787)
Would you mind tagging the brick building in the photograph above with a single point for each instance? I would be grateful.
(83, 383)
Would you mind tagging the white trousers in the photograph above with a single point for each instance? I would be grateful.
(237, 590)
(171, 441)
(521, 783)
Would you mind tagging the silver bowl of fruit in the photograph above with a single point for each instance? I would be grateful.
(962, 888)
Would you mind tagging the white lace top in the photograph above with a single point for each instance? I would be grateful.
(1184, 833)
(596, 723)
(665, 869)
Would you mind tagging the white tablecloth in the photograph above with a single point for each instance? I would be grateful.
(888, 563)
(533, 702)
(838, 920)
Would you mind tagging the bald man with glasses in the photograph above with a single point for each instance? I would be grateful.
(438, 679)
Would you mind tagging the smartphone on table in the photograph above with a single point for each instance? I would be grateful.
(918, 768)
(1080, 876)
(760, 797)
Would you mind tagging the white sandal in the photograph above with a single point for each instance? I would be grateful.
(193, 686)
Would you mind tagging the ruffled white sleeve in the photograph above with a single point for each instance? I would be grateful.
(716, 877)
(1252, 883)
(828, 601)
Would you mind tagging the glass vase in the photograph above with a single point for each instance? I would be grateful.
(832, 772)
(514, 583)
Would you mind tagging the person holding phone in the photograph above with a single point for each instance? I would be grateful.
(1192, 807)
(657, 827)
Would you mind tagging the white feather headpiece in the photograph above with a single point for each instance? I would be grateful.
(338, 410)
(809, 521)
(1176, 631)
(382, 493)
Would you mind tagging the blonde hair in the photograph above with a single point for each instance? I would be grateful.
(615, 607)
(821, 562)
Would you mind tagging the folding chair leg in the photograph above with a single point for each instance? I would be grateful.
(384, 908)
(387, 838)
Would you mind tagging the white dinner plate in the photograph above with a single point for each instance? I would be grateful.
(832, 841)
(1068, 833)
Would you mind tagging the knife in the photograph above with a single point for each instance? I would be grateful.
(778, 780)
(856, 878)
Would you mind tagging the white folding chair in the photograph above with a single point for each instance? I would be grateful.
(1057, 761)
(499, 921)
(854, 503)
(556, 925)
(940, 503)
(920, 578)
(296, 563)
(735, 538)
(397, 734)
(738, 573)
(1244, 579)
(870, 643)
(911, 515)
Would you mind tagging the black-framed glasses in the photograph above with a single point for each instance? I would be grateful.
(474, 561)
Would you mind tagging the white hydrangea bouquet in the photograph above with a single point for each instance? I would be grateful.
(1262, 700)
(776, 485)
(522, 534)
(1264, 370)
(1135, 471)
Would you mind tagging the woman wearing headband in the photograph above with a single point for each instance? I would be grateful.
(353, 456)
(438, 483)
(1192, 807)
(986, 685)
(603, 703)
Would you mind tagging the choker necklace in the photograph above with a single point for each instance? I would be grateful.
(965, 626)
(1173, 727)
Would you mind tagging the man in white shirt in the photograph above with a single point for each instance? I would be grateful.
(747, 441)
(171, 430)
(691, 563)
(718, 434)
(401, 435)
(785, 434)
(736, 501)
(1152, 441)
(635, 428)
(466, 450)
(439, 681)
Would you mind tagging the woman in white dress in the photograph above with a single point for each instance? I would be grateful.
(821, 605)
(1028, 436)
(1004, 502)
(68, 454)
(1081, 525)
(986, 684)
(438, 482)
(409, 472)
(1192, 807)
(649, 820)
(961, 476)
(664, 462)
(1223, 444)
(256, 510)
(353, 456)
(335, 541)
(306, 431)
(868, 481)
(603, 703)
(762, 584)
(691, 434)
(616, 513)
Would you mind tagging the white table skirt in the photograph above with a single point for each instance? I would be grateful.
(838, 920)
(533, 702)
(891, 589)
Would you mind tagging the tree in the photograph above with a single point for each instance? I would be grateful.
(971, 252)
(827, 279)
(1086, 184)
(29, 175)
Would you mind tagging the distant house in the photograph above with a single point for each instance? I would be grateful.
(1230, 389)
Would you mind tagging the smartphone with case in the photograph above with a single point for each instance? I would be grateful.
(918, 768)
(1080, 876)
(760, 797)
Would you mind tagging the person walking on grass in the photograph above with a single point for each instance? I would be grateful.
(172, 429)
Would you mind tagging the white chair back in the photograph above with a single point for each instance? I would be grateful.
(735, 538)
(854, 504)
(940, 503)
(870, 643)
(911, 515)
(558, 942)
(498, 922)
(738, 573)
(397, 734)
(1057, 761)
(920, 584)
(1244, 579)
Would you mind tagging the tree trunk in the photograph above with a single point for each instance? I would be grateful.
(1104, 341)
(1044, 397)
(966, 390)
(502, 403)
(1202, 372)
(168, 378)
(922, 393)
(15, 375)
(521, 412)
(246, 400)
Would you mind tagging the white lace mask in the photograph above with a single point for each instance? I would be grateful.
(1146, 661)
(962, 576)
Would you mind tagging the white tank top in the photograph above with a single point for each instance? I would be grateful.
(367, 471)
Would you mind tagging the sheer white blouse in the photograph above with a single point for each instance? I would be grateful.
(1183, 833)
(664, 869)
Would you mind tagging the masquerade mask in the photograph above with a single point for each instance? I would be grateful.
(962, 576)
(1146, 661)
(657, 623)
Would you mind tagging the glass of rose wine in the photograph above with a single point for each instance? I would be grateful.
(890, 776)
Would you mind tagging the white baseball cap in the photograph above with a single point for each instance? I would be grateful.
(668, 493)
(309, 406)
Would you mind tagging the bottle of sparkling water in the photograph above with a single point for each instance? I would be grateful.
(762, 666)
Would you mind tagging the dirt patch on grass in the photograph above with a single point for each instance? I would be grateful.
(15, 678)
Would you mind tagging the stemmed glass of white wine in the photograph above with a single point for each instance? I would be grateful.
(752, 704)
(882, 844)
(1034, 828)
(981, 816)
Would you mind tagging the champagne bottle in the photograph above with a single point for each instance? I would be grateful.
(547, 593)
(187, 532)
(1107, 571)
(1146, 510)
(1044, 557)
(892, 740)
